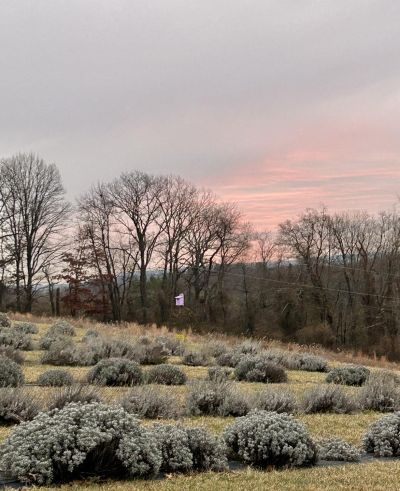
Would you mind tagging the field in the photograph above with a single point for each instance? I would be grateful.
(374, 474)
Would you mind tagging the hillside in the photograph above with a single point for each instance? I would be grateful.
(370, 474)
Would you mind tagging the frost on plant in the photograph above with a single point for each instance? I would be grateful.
(166, 375)
(265, 438)
(116, 372)
(151, 403)
(216, 399)
(55, 378)
(348, 375)
(11, 374)
(280, 401)
(381, 392)
(187, 449)
(328, 399)
(337, 449)
(383, 437)
(16, 406)
(62, 445)
(259, 369)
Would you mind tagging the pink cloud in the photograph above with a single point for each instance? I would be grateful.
(269, 192)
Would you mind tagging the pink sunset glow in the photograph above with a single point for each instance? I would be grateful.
(268, 194)
(340, 168)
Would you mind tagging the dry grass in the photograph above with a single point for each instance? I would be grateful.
(373, 476)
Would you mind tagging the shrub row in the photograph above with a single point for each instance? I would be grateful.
(108, 441)
(286, 359)
(15, 339)
(348, 375)
(335, 449)
(259, 369)
(62, 445)
(65, 444)
(5, 321)
(118, 372)
(11, 374)
(12, 354)
(217, 396)
(60, 349)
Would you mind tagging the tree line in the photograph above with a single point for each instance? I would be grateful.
(125, 249)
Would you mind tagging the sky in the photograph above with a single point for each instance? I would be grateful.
(274, 105)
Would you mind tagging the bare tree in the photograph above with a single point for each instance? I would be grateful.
(233, 241)
(178, 205)
(136, 197)
(265, 249)
(36, 212)
(309, 240)
(200, 242)
(114, 253)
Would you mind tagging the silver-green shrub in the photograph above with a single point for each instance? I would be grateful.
(174, 346)
(295, 360)
(174, 445)
(235, 403)
(166, 375)
(338, 450)
(328, 399)
(116, 372)
(307, 362)
(73, 393)
(206, 397)
(148, 402)
(48, 339)
(5, 321)
(232, 357)
(213, 349)
(276, 355)
(383, 437)
(259, 369)
(264, 438)
(381, 392)
(61, 328)
(280, 401)
(90, 335)
(154, 353)
(196, 359)
(348, 375)
(26, 328)
(16, 339)
(216, 398)
(229, 359)
(60, 352)
(55, 378)
(16, 406)
(219, 374)
(62, 445)
(11, 374)
(103, 347)
(248, 347)
(190, 449)
(13, 354)
(208, 451)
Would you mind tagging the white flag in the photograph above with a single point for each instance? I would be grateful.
(180, 300)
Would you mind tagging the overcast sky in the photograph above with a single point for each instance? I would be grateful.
(277, 105)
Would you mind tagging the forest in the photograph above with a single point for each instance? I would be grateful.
(125, 249)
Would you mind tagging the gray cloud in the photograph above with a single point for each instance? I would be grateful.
(195, 88)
